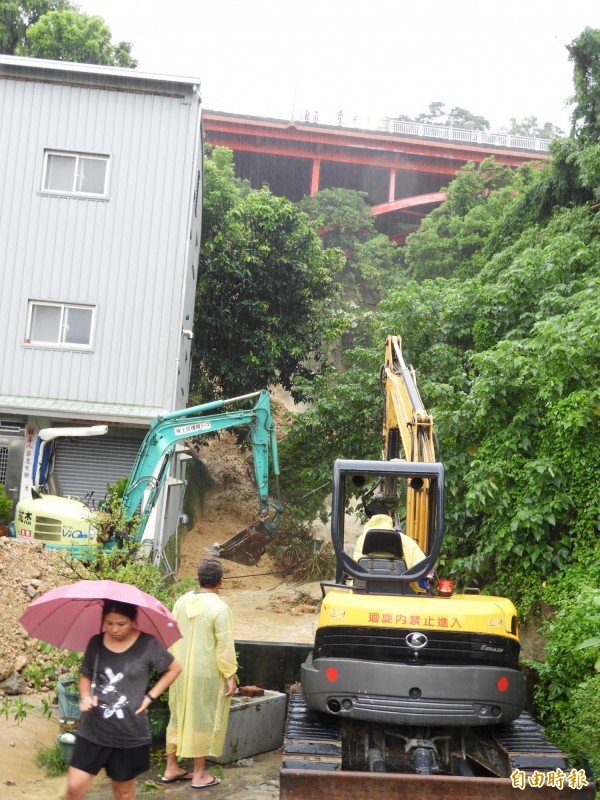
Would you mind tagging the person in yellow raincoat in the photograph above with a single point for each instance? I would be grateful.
(199, 700)
(411, 552)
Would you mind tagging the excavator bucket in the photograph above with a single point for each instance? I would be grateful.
(248, 546)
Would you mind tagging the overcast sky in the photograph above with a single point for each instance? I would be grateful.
(369, 58)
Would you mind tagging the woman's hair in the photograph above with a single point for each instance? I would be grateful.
(117, 607)
(210, 573)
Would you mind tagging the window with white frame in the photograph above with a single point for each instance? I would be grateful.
(60, 325)
(80, 174)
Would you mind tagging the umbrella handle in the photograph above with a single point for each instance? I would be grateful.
(95, 672)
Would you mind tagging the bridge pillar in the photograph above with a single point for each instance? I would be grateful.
(314, 181)
(392, 186)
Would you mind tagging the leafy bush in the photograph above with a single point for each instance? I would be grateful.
(109, 519)
(584, 725)
(297, 553)
(5, 506)
(563, 695)
(17, 708)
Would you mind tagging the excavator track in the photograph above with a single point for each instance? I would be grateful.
(313, 753)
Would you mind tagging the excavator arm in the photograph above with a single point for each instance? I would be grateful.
(151, 465)
(407, 433)
(67, 522)
(405, 423)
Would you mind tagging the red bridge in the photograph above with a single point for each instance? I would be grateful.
(402, 169)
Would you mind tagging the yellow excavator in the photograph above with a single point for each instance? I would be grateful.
(410, 689)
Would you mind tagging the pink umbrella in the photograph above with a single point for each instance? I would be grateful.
(69, 615)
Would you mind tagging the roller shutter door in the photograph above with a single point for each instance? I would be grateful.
(88, 464)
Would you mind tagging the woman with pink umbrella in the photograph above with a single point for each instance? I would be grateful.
(113, 731)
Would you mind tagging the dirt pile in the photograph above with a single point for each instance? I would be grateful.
(27, 570)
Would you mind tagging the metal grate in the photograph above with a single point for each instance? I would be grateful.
(3, 464)
(370, 643)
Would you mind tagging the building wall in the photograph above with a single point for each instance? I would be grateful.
(131, 256)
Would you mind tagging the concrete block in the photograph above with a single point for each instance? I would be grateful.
(255, 726)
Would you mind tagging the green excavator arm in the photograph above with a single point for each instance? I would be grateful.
(151, 466)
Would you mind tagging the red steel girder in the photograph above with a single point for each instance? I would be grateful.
(408, 202)
(363, 158)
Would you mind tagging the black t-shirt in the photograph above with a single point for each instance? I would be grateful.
(121, 682)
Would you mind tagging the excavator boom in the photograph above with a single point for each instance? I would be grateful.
(151, 465)
(405, 422)
(407, 433)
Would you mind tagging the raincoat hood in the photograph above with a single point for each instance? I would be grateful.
(381, 521)
(195, 603)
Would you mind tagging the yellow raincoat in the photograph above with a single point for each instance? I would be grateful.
(197, 702)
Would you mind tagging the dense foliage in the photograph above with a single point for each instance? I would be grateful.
(265, 288)
(584, 52)
(56, 29)
(345, 221)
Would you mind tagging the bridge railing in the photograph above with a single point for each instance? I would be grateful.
(449, 134)
(465, 135)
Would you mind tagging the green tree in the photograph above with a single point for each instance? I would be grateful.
(435, 114)
(265, 289)
(529, 126)
(451, 240)
(68, 35)
(343, 420)
(458, 117)
(461, 118)
(584, 52)
(371, 261)
(17, 16)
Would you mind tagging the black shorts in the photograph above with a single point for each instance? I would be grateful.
(121, 763)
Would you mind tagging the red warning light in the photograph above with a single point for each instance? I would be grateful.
(445, 588)
(502, 684)
(332, 674)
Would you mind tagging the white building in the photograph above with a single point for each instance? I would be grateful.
(100, 212)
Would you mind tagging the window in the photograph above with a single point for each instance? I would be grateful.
(80, 174)
(60, 325)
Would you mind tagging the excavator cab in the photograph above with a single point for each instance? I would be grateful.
(383, 567)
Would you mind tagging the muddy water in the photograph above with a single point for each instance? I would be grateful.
(21, 779)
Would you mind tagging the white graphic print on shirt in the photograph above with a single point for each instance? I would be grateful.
(110, 687)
